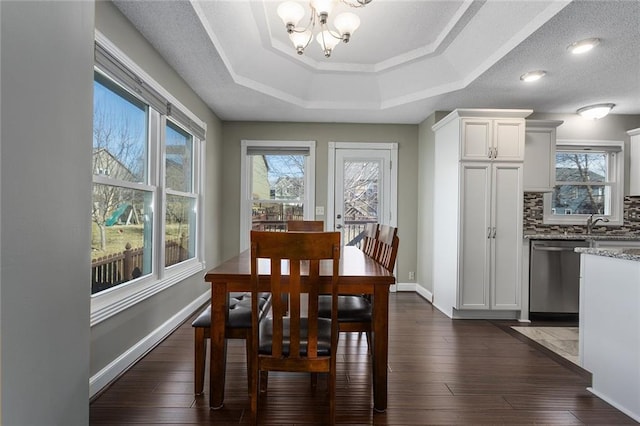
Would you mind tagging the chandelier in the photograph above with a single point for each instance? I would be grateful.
(345, 24)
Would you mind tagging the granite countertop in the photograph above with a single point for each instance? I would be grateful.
(625, 253)
(584, 237)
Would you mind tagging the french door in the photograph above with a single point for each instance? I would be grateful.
(362, 187)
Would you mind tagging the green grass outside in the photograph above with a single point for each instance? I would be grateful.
(119, 235)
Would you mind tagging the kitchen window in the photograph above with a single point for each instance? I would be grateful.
(589, 180)
(146, 208)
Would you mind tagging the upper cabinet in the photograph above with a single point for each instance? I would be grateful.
(492, 139)
(634, 162)
(540, 155)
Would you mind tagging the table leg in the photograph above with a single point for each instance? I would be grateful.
(218, 352)
(380, 345)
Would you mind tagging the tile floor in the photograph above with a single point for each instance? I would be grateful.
(561, 340)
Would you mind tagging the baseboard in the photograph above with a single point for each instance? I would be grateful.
(119, 365)
(405, 287)
(426, 294)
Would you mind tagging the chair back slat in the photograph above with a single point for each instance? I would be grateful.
(369, 239)
(305, 225)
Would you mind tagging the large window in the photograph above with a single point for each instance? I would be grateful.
(277, 182)
(588, 181)
(145, 209)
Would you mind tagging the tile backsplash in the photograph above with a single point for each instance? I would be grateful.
(533, 218)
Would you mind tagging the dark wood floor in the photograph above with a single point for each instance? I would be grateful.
(441, 371)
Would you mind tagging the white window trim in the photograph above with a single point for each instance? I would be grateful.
(617, 190)
(245, 182)
(112, 301)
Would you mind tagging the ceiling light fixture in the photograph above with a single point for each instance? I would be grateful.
(532, 76)
(583, 46)
(596, 111)
(346, 23)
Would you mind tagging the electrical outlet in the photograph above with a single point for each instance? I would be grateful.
(412, 275)
(320, 211)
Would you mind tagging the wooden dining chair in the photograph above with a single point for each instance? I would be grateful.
(369, 239)
(387, 246)
(294, 342)
(305, 225)
(355, 311)
(238, 327)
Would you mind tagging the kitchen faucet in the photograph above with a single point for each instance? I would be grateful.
(591, 222)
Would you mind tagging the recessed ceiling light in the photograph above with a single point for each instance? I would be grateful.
(596, 111)
(531, 76)
(583, 46)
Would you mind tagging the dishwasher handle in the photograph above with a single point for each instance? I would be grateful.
(548, 248)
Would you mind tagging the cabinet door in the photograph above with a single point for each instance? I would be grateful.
(475, 233)
(540, 160)
(508, 140)
(506, 241)
(476, 139)
(634, 160)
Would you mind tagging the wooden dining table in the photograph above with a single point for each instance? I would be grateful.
(359, 274)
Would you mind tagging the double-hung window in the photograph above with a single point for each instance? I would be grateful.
(146, 209)
(589, 181)
(277, 180)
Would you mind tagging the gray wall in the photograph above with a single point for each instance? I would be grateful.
(405, 135)
(48, 350)
(47, 89)
(110, 338)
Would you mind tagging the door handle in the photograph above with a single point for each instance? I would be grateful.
(494, 232)
(338, 226)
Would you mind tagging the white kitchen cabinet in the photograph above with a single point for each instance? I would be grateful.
(634, 162)
(490, 235)
(477, 232)
(495, 139)
(540, 155)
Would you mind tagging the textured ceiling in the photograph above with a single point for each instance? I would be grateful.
(407, 59)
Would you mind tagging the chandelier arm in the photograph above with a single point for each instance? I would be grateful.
(359, 4)
(310, 26)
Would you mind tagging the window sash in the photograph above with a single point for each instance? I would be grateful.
(612, 183)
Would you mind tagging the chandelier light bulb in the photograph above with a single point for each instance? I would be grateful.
(291, 13)
(323, 9)
(346, 24)
(327, 41)
(300, 40)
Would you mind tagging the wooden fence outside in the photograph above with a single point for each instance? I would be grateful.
(111, 270)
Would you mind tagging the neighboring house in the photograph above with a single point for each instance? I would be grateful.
(105, 163)
(260, 180)
(288, 188)
(578, 199)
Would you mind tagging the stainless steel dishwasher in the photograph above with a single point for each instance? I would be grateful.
(554, 278)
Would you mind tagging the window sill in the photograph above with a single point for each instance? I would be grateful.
(110, 303)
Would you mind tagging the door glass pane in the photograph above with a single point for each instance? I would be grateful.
(121, 236)
(277, 190)
(361, 198)
(180, 240)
